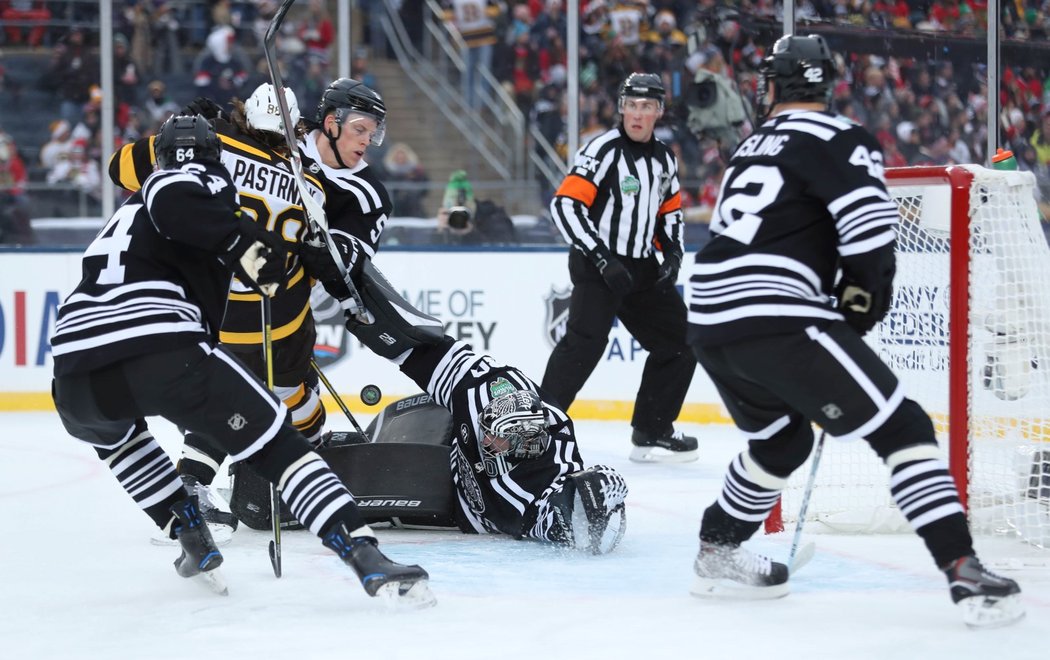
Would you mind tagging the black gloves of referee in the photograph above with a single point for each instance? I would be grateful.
(612, 271)
(668, 270)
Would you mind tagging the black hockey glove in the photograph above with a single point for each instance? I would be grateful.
(668, 270)
(612, 271)
(257, 257)
(318, 262)
(202, 105)
(862, 309)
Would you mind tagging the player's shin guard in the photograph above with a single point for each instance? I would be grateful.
(146, 472)
(748, 494)
(925, 492)
(201, 458)
(316, 496)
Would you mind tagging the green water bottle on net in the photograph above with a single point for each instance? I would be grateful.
(1004, 160)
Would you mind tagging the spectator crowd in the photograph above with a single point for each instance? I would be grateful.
(924, 107)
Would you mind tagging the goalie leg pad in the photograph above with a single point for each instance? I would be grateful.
(398, 326)
(405, 484)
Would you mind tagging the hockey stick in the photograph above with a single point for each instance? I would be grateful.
(275, 493)
(315, 214)
(335, 395)
(796, 558)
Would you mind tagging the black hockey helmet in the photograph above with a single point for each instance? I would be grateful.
(513, 423)
(185, 138)
(801, 68)
(346, 96)
(644, 85)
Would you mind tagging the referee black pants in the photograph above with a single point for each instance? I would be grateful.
(653, 313)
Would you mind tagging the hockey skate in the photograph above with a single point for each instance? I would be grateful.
(215, 510)
(397, 585)
(200, 558)
(728, 571)
(671, 447)
(987, 600)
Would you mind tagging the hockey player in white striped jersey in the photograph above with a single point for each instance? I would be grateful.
(138, 337)
(799, 268)
(516, 466)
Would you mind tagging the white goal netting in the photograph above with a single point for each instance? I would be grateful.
(1003, 425)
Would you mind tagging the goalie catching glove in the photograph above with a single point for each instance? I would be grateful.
(589, 510)
(256, 257)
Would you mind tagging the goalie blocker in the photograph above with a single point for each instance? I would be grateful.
(398, 472)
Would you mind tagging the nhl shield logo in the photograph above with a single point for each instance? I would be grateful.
(557, 302)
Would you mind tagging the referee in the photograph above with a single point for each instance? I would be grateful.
(621, 198)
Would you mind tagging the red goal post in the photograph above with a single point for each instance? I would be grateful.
(969, 336)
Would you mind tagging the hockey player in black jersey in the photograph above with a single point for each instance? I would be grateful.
(139, 337)
(799, 268)
(515, 464)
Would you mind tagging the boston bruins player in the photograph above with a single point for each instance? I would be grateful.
(139, 337)
(356, 206)
(803, 214)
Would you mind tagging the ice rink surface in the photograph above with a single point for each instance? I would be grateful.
(81, 580)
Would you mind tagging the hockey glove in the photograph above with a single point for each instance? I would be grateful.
(202, 105)
(612, 271)
(668, 271)
(257, 257)
(862, 309)
(318, 262)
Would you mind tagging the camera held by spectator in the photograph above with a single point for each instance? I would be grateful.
(716, 110)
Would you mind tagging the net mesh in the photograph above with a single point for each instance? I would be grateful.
(1008, 445)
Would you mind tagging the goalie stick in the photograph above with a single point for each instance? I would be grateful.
(315, 214)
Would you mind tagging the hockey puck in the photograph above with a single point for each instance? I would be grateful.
(370, 395)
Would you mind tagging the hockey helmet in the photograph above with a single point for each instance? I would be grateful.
(185, 138)
(801, 68)
(263, 113)
(514, 425)
(347, 96)
(642, 85)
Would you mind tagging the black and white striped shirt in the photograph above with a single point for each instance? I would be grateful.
(151, 279)
(802, 196)
(356, 202)
(621, 194)
(506, 496)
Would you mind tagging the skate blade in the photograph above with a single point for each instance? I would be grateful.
(661, 455)
(398, 596)
(221, 535)
(723, 589)
(981, 613)
(213, 581)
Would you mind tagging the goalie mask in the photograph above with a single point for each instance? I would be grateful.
(514, 425)
(262, 112)
(801, 69)
(185, 138)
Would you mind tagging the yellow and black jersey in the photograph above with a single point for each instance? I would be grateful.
(268, 194)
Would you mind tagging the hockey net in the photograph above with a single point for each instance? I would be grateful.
(969, 336)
